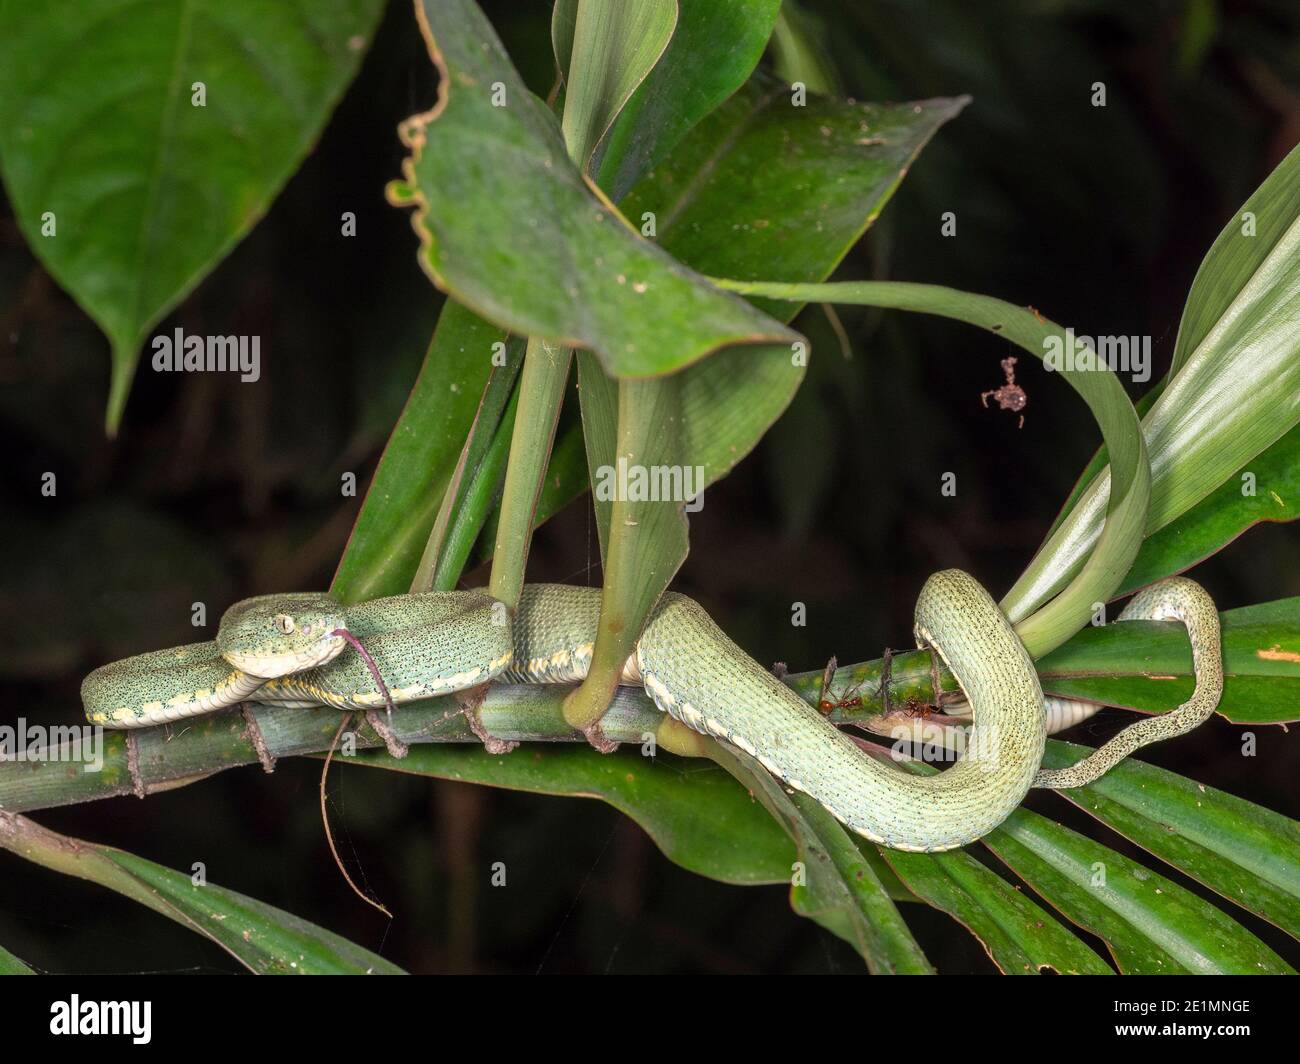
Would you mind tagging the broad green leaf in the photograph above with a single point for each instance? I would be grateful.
(1249, 855)
(834, 882)
(1151, 924)
(1019, 936)
(128, 187)
(1232, 396)
(1118, 543)
(269, 941)
(1267, 488)
(11, 965)
(694, 811)
(759, 186)
(1147, 665)
(713, 51)
(617, 44)
(421, 457)
(508, 227)
(685, 421)
(732, 397)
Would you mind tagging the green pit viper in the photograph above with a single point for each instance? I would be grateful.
(288, 650)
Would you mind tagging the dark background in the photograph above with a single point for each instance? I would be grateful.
(217, 490)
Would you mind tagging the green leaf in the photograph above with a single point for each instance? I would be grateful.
(731, 398)
(11, 965)
(1238, 259)
(1272, 479)
(617, 44)
(1249, 855)
(420, 460)
(759, 186)
(799, 53)
(269, 941)
(616, 49)
(834, 882)
(1151, 924)
(509, 228)
(1147, 665)
(1232, 396)
(715, 47)
(1019, 936)
(148, 192)
(1117, 545)
(477, 481)
(694, 811)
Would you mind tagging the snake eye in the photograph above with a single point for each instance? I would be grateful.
(283, 623)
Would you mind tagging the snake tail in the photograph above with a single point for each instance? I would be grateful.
(1175, 599)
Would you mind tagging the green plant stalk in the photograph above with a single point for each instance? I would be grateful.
(177, 755)
(172, 756)
(541, 388)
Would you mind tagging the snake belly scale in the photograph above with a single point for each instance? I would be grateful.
(287, 649)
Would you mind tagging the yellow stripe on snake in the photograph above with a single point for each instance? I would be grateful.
(289, 650)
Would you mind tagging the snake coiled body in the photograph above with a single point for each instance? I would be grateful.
(288, 650)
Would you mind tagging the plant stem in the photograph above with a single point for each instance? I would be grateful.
(541, 395)
(176, 755)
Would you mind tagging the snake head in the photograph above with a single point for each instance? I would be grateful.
(275, 635)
